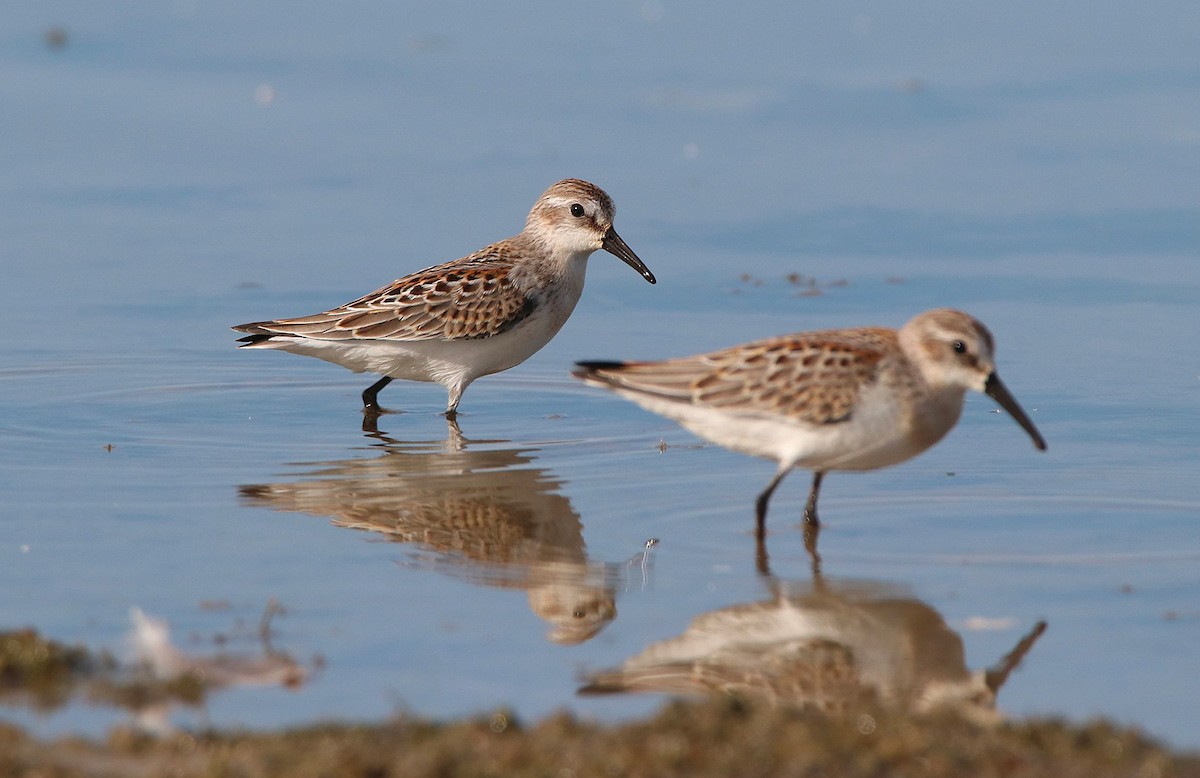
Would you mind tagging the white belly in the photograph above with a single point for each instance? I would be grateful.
(879, 433)
(447, 362)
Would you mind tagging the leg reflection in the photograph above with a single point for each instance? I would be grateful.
(811, 530)
(762, 560)
(810, 507)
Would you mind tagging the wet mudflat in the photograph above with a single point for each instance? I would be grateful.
(719, 737)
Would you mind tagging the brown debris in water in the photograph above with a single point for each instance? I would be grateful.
(806, 285)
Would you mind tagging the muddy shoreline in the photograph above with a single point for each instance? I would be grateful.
(710, 738)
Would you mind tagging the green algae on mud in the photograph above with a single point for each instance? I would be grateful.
(43, 673)
(718, 737)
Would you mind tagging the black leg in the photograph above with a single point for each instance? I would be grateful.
(810, 508)
(760, 505)
(370, 394)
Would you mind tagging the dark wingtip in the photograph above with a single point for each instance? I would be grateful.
(254, 491)
(254, 333)
(601, 364)
(257, 337)
(589, 369)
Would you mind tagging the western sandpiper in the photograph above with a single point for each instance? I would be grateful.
(478, 315)
(848, 399)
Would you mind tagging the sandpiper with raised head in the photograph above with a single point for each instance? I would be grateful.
(471, 317)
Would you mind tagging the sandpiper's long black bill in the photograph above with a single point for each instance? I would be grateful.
(618, 248)
(996, 389)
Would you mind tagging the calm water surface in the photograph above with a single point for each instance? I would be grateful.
(173, 171)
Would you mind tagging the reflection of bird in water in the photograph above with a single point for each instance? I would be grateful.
(150, 640)
(486, 514)
(829, 646)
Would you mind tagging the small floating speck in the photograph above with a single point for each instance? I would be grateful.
(56, 37)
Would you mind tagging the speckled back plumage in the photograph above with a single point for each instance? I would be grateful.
(814, 377)
(472, 297)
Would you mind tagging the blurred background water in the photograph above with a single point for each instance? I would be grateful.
(170, 169)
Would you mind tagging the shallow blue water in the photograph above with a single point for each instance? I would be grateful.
(175, 170)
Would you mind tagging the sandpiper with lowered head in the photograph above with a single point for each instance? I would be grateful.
(846, 399)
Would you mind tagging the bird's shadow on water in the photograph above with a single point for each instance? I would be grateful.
(478, 510)
(837, 646)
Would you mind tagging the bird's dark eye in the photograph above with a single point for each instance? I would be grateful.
(576, 209)
(579, 613)
(959, 347)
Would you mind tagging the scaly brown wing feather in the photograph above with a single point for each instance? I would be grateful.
(472, 297)
(814, 377)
